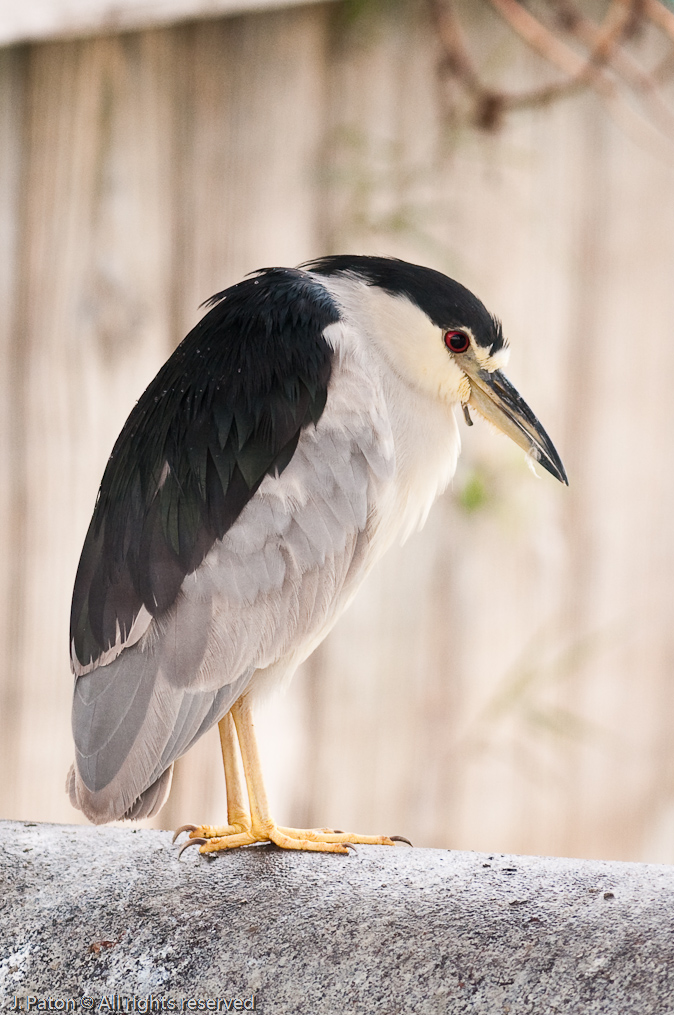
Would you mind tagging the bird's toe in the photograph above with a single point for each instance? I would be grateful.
(183, 828)
(190, 842)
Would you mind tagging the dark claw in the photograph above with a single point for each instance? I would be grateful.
(400, 838)
(183, 828)
(338, 831)
(350, 845)
(190, 842)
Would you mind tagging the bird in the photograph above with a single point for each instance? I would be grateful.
(303, 426)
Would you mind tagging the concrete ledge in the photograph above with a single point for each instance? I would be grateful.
(101, 913)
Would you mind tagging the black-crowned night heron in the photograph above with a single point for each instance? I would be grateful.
(302, 426)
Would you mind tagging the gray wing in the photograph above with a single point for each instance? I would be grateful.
(262, 599)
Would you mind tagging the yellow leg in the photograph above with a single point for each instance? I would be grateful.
(262, 828)
(237, 814)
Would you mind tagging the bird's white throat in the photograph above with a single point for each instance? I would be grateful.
(393, 353)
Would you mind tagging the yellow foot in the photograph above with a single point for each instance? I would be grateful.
(329, 835)
(212, 839)
(213, 831)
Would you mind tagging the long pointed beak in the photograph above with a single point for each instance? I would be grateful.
(495, 398)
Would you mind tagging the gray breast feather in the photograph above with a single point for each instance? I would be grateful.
(263, 597)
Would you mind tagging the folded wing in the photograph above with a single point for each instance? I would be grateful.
(225, 546)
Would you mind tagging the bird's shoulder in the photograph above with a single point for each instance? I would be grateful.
(226, 410)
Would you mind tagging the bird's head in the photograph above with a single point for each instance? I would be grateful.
(441, 338)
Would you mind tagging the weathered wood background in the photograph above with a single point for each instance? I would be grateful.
(506, 680)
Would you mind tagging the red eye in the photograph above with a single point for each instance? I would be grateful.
(457, 341)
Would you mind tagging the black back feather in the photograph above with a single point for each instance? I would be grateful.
(223, 412)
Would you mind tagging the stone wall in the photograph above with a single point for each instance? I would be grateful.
(110, 919)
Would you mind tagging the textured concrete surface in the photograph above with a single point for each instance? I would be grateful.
(108, 919)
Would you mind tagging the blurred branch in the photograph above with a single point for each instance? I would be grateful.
(660, 16)
(585, 31)
(606, 66)
(549, 46)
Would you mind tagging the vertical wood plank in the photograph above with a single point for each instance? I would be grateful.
(93, 326)
(12, 419)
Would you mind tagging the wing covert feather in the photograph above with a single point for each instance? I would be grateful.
(223, 412)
